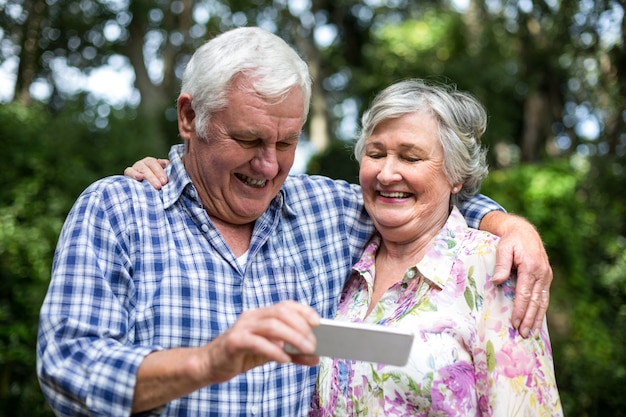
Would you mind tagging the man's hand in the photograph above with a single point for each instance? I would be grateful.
(151, 169)
(259, 336)
(521, 251)
(256, 338)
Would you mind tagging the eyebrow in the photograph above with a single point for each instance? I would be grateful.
(292, 136)
(245, 133)
(402, 147)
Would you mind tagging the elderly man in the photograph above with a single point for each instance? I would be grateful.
(178, 301)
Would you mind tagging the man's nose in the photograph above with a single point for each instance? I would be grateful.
(265, 162)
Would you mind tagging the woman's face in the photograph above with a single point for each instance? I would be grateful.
(404, 186)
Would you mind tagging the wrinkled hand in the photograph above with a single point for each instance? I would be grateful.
(151, 169)
(521, 251)
(259, 337)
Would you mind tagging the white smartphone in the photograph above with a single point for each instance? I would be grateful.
(362, 342)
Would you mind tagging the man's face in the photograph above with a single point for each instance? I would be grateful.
(248, 150)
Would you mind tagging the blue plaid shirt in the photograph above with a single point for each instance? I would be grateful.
(138, 270)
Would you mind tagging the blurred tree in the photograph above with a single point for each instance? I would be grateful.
(43, 176)
(540, 66)
(583, 227)
(155, 38)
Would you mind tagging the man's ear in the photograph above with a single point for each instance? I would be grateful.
(186, 118)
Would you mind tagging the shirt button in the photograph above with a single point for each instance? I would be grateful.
(205, 228)
(410, 273)
(253, 410)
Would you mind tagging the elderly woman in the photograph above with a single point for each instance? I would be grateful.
(426, 270)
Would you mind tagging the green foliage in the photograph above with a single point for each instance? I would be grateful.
(583, 227)
(336, 162)
(49, 161)
(436, 47)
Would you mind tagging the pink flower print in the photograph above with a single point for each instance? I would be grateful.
(453, 391)
(515, 361)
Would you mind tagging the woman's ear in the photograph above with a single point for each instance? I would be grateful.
(186, 118)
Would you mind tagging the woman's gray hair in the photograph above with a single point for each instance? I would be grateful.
(268, 62)
(462, 120)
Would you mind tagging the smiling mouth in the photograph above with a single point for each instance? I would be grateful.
(395, 194)
(251, 181)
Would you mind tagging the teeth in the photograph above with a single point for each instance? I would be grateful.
(394, 194)
(251, 181)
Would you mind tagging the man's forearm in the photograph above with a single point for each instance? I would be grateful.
(164, 376)
(499, 222)
(475, 209)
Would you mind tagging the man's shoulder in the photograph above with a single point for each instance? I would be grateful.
(316, 185)
(322, 198)
(121, 190)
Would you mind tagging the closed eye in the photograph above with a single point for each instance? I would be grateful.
(285, 146)
(248, 144)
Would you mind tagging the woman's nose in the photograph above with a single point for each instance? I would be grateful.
(388, 171)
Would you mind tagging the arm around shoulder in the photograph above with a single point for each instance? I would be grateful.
(521, 251)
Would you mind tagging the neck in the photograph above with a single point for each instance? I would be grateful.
(236, 236)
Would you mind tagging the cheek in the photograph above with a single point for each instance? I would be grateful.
(367, 173)
(232, 157)
(285, 160)
(434, 178)
(438, 189)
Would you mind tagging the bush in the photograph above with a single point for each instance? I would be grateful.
(49, 160)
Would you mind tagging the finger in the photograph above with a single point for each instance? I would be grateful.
(163, 162)
(154, 167)
(523, 297)
(294, 326)
(151, 170)
(527, 310)
(258, 337)
(133, 173)
(504, 263)
(540, 297)
(541, 313)
(307, 360)
(287, 322)
(235, 352)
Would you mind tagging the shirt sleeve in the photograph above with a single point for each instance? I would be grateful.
(476, 208)
(86, 360)
(515, 375)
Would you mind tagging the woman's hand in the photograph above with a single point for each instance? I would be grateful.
(149, 169)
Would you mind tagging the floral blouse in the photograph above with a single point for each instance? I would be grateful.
(466, 359)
